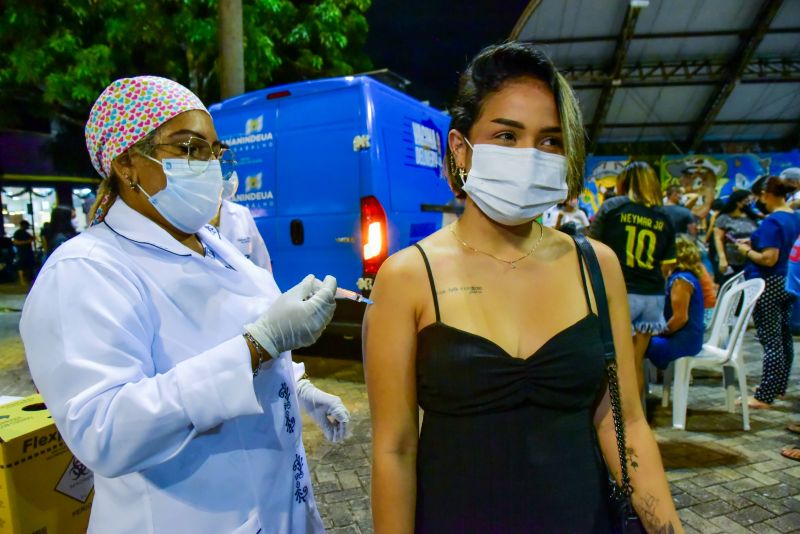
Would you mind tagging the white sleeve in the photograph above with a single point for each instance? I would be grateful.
(260, 255)
(88, 333)
(298, 369)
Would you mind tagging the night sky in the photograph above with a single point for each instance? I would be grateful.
(430, 42)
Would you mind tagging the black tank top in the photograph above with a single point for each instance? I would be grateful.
(508, 444)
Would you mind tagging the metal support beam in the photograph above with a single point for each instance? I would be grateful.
(685, 72)
(678, 124)
(617, 61)
(660, 35)
(734, 70)
(527, 13)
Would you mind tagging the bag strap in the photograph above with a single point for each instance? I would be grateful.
(609, 353)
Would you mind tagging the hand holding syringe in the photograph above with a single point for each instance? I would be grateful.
(351, 295)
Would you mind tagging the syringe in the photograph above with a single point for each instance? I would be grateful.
(351, 295)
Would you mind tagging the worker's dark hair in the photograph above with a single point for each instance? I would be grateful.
(779, 187)
(487, 73)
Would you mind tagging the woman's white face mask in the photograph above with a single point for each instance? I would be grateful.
(191, 199)
(513, 186)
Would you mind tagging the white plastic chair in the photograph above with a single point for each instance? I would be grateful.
(669, 372)
(724, 288)
(723, 349)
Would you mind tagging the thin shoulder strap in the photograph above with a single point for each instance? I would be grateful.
(430, 279)
(582, 266)
(596, 277)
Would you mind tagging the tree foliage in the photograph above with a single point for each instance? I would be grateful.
(58, 56)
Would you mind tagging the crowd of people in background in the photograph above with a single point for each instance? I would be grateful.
(675, 256)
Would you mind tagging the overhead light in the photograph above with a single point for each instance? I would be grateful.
(640, 3)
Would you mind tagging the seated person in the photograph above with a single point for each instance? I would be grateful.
(683, 307)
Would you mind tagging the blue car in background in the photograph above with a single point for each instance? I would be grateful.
(338, 173)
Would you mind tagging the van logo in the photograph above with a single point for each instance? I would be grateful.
(427, 145)
(252, 183)
(361, 142)
(254, 125)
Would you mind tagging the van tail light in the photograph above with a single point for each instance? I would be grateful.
(374, 241)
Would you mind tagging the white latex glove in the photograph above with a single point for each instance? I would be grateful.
(297, 318)
(325, 409)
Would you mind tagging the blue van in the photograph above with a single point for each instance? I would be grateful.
(338, 173)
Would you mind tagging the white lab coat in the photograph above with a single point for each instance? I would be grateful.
(135, 343)
(237, 225)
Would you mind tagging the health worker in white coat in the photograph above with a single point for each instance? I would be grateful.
(236, 224)
(162, 352)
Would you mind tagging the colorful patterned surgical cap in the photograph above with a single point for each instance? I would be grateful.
(128, 110)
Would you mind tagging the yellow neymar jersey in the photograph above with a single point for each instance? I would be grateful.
(642, 238)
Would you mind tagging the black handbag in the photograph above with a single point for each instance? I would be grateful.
(623, 517)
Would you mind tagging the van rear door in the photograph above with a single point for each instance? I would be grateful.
(317, 189)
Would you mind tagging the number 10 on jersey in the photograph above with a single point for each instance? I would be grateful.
(640, 247)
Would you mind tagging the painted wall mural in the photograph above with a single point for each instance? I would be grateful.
(696, 172)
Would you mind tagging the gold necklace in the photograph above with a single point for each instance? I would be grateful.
(512, 263)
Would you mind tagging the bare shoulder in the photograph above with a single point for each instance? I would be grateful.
(609, 265)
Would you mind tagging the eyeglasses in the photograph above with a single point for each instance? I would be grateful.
(200, 152)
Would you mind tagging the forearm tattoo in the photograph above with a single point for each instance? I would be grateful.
(647, 513)
(632, 458)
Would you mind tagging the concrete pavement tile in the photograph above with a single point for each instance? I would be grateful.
(324, 473)
(764, 528)
(734, 499)
(729, 526)
(778, 491)
(751, 515)
(769, 465)
(691, 519)
(713, 509)
(348, 479)
(749, 472)
(683, 500)
(743, 485)
(342, 495)
(712, 479)
(341, 515)
(776, 506)
(793, 471)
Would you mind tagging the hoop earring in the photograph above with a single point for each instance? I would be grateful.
(132, 184)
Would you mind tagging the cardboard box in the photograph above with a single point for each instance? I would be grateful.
(44, 489)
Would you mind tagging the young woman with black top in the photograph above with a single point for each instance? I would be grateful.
(640, 233)
(489, 326)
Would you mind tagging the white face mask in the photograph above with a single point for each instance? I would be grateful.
(191, 199)
(74, 222)
(513, 186)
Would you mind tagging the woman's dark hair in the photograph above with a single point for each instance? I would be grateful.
(60, 223)
(487, 73)
(779, 187)
(734, 199)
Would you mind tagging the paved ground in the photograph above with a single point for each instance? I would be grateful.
(724, 480)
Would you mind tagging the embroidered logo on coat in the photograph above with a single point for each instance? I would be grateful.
(300, 493)
(288, 420)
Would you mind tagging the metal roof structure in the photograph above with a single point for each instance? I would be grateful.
(685, 72)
